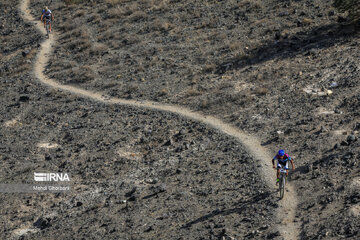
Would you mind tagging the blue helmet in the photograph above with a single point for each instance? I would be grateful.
(281, 153)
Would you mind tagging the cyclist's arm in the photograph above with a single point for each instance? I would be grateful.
(292, 164)
(273, 162)
(52, 16)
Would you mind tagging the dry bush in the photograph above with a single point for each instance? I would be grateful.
(98, 49)
(351, 6)
(132, 88)
(235, 46)
(307, 21)
(224, 85)
(70, 2)
(94, 18)
(261, 91)
(209, 68)
(82, 74)
(204, 104)
(66, 26)
(137, 16)
(241, 55)
(31, 54)
(77, 32)
(159, 25)
(108, 34)
(78, 45)
(163, 92)
(251, 4)
(116, 12)
(116, 2)
(64, 64)
(192, 92)
(80, 13)
(159, 5)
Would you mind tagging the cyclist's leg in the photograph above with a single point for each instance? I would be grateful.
(287, 166)
(278, 166)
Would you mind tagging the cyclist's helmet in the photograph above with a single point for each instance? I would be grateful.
(281, 153)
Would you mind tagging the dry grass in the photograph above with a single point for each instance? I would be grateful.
(209, 68)
(261, 91)
(31, 54)
(249, 4)
(116, 2)
(235, 46)
(66, 26)
(159, 5)
(132, 88)
(94, 18)
(192, 92)
(204, 104)
(82, 74)
(159, 25)
(307, 21)
(98, 49)
(137, 16)
(116, 12)
(70, 2)
(80, 13)
(78, 45)
(163, 92)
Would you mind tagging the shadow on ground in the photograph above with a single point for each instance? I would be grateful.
(286, 46)
(242, 205)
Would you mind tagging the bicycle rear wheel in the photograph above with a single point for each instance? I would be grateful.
(47, 29)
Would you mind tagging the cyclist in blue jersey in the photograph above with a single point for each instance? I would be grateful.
(282, 162)
(47, 15)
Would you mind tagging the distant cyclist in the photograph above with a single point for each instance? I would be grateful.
(47, 15)
(282, 162)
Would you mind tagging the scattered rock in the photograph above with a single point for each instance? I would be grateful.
(42, 223)
(131, 192)
(351, 138)
(24, 98)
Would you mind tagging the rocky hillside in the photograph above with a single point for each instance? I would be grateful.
(285, 71)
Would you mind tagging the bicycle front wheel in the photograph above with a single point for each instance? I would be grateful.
(282, 187)
(47, 30)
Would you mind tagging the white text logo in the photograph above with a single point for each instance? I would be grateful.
(49, 177)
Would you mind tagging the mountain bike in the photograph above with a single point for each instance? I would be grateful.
(282, 181)
(47, 27)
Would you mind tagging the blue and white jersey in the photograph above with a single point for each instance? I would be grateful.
(46, 13)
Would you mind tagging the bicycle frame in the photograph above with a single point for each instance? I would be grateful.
(282, 181)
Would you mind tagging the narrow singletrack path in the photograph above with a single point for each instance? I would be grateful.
(288, 228)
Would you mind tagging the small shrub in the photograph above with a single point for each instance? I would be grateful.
(307, 21)
(209, 68)
(116, 12)
(94, 18)
(137, 16)
(82, 74)
(70, 2)
(98, 49)
(350, 6)
(204, 104)
(159, 25)
(261, 91)
(115, 2)
(132, 88)
(192, 92)
(163, 92)
(235, 46)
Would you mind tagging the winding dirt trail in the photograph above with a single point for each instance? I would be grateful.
(288, 228)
